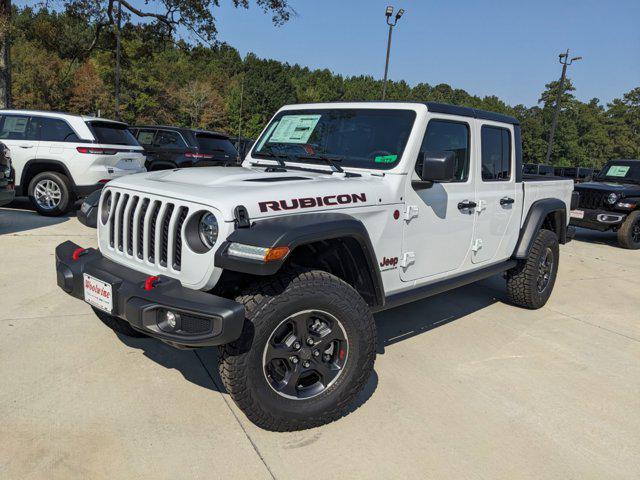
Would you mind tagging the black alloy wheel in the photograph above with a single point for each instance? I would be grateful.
(305, 354)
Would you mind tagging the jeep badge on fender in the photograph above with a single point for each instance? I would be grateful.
(339, 210)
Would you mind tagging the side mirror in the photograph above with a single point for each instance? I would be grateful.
(437, 166)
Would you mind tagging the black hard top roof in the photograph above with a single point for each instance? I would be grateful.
(470, 112)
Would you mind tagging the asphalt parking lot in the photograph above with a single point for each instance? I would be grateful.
(465, 385)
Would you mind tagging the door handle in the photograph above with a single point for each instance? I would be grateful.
(26, 146)
(467, 205)
(506, 201)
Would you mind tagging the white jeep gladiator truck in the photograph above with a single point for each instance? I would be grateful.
(339, 210)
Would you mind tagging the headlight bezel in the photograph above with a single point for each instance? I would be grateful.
(194, 235)
(105, 206)
(612, 198)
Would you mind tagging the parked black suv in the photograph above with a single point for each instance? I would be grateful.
(612, 202)
(7, 176)
(173, 147)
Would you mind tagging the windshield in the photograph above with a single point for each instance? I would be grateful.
(362, 138)
(112, 133)
(621, 172)
(212, 143)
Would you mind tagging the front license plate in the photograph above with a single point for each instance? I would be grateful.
(98, 293)
(577, 214)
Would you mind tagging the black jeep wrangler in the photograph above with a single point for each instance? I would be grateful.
(612, 202)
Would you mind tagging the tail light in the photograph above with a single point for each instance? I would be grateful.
(98, 151)
(197, 155)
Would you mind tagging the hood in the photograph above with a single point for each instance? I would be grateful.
(261, 193)
(627, 189)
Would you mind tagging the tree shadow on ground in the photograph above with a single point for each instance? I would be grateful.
(201, 366)
(20, 216)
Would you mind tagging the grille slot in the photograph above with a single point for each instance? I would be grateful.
(140, 240)
(164, 234)
(114, 207)
(155, 210)
(194, 325)
(132, 212)
(177, 232)
(120, 220)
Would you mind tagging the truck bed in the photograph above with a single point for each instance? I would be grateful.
(539, 187)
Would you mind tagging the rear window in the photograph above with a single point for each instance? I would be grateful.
(112, 133)
(211, 143)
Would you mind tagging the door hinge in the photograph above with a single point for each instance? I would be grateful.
(407, 259)
(482, 205)
(410, 212)
(477, 245)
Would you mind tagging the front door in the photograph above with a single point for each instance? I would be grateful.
(498, 198)
(438, 229)
(21, 136)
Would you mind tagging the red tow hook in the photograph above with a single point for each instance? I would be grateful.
(151, 282)
(77, 252)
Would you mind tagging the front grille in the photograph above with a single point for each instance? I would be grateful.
(139, 226)
(593, 199)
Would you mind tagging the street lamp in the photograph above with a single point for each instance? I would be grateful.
(564, 59)
(391, 23)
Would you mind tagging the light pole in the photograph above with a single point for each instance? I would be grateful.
(565, 61)
(391, 23)
(117, 75)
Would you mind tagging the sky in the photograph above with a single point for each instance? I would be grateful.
(487, 47)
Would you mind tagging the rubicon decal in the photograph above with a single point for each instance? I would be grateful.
(310, 202)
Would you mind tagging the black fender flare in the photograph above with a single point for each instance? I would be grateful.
(539, 210)
(293, 231)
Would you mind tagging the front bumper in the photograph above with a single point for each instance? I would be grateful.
(204, 319)
(601, 220)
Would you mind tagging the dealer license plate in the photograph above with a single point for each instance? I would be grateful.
(577, 214)
(98, 293)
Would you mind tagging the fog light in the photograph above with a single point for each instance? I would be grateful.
(171, 318)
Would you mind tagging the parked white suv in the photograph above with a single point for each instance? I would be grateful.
(59, 157)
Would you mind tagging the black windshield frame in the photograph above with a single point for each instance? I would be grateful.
(385, 126)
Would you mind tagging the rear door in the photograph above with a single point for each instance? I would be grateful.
(21, 136)
(168, 146)
(56, 137)
(499, 201)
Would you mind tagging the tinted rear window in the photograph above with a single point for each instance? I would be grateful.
(112, 133)
(211, 143)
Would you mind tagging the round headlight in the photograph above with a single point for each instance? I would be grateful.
(106, 207)
(612, 198)
(208, 229)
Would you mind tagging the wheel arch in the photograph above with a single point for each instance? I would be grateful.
(39, 165)
(333, 242)
(548, 213)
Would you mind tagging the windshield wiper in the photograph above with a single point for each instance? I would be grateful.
(328, 160)
(278, 157)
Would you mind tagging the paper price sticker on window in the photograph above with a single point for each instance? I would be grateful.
(294, 129)
(617, 171)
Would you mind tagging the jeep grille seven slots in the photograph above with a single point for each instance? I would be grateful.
(339, 210)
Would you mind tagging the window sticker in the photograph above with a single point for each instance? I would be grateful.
(385, 158)
(618, 171)
(15, 124)
(294, 129)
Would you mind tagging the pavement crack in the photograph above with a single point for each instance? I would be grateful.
(226, 401)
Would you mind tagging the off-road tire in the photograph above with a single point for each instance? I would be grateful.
(117, 324)
(522, 280)
(625, 234)
(67, 198)
(269, 302)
